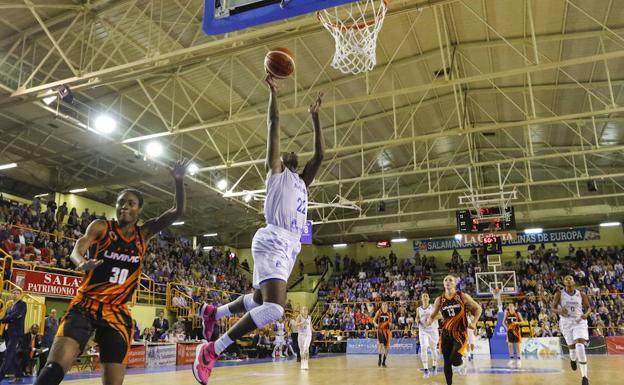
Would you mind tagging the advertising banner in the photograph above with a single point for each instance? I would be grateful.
(548, 236)
(597, 345)
(136, 358)
(306, 235)
(186, 353)
(540, 346)
(45, 283)
(615, 345)
(161, 355)
(369, 346)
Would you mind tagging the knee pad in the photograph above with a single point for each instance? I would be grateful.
(51, 374)
(249, 302)
(266, 313)
(580, 352)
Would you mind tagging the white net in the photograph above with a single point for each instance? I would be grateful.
(355, 28)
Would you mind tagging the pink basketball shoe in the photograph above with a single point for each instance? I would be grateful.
(205, 360)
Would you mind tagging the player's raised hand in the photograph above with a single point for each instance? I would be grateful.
(179, 169)
(315, 107)
(270, 80)
(89, 264)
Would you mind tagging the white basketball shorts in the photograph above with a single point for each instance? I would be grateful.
(428, 339)
(304, 341)
(573, 330)
(274, 251)
(471, 337)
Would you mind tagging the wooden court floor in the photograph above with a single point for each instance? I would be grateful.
(363, 370)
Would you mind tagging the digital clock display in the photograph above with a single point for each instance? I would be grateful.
(492, 245)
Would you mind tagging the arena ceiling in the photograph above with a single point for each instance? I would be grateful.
(533, 100)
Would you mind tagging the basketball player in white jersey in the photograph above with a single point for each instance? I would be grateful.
(573, 309)
(280, 340)
(471, 337)
(304, 328)
(274, 247)
(428, 335)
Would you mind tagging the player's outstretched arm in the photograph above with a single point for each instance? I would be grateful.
(314, 164)
(94, 232)
(155, 225)
(475, 306)
(434, 312)
(273, 162)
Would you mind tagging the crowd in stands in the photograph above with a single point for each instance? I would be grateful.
(352, 295)
(46, 237)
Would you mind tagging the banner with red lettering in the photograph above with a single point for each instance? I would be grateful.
(615, 345)
(186, 353)
(46, 283)
(136, 358)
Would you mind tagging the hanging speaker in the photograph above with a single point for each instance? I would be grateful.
(591, 186)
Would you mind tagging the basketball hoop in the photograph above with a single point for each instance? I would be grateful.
(355, 33)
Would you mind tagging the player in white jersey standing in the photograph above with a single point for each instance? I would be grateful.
(428, 336)
(304, 328)
(274, 247)
(573, 309)
(471, 337)
(280, 338)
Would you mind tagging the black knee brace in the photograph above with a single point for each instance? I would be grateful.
(51, 374)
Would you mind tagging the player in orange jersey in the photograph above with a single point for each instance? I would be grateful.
(112, 273)
(383, 320)
(453, 305)
(514, 335)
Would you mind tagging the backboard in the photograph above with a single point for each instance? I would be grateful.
(222, 16)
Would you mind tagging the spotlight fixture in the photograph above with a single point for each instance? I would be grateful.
(339, 245)
(78, 190)
(177, 223)
(192, 169)
(536, 230)
(610, 224)
(104, 124)
(211, 235)
(154, 149)
(65, 94)
(222, 184)
(247, 198)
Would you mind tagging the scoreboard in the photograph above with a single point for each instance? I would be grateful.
(492, 245)
(468, 223)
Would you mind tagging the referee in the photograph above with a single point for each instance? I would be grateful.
(292, 325)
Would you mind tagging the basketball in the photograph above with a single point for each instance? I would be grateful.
(279, 62)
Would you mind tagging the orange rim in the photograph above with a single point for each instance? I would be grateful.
(363, 25)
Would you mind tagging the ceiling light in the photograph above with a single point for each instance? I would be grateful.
(210, 235)
(78, 190)
(337, 245)
(458, 237)
(222, 184)
(7, 166)
(41, 195)
(399, 240)
(154, 149)
(208, 247)
(610, 224)
(536, 230)
(177, 223)
(247, 198)
(104, 124)
(192, 169)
